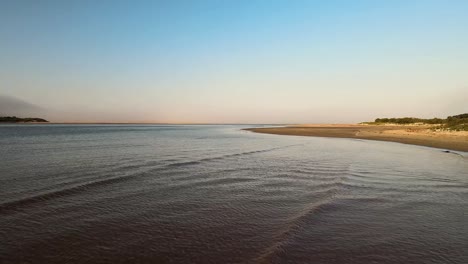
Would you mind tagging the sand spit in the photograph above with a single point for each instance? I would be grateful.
(421, 135)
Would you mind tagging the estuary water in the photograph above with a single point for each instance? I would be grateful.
(218, 194)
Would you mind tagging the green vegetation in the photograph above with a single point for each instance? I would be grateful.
(409, 120)
(14, 119)
(456, 122)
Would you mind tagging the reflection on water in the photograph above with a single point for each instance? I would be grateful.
(217, 194)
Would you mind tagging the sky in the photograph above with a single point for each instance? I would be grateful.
(225, 61)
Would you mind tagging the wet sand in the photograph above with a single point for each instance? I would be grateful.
(416, 135)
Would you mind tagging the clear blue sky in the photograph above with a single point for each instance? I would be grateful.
(235, 61)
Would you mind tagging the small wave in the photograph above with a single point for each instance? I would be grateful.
(330, 191)
(408, 181)
(27, 201)
(185, 163)
(294, 224)
(224, 181)
(199, 161)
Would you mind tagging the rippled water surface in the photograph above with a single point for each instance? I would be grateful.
(217, 194)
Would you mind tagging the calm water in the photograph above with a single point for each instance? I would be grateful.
(216, 194)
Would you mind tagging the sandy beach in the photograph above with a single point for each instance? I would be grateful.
(408, 134)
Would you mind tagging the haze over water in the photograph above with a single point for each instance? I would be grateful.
(217, 194)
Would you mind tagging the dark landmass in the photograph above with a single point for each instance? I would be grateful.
(14, 119)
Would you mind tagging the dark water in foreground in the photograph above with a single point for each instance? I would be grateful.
(216, 194)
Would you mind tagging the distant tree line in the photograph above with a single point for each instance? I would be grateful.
(456, 122)
(14, 119)
(409, 120)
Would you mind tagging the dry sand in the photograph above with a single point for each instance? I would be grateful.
(408, 134)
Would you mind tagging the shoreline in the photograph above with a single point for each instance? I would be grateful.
(420, 135)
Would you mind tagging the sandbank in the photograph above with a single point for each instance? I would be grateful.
(421, 135)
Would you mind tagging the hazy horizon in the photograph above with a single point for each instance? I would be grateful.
(233, 62)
